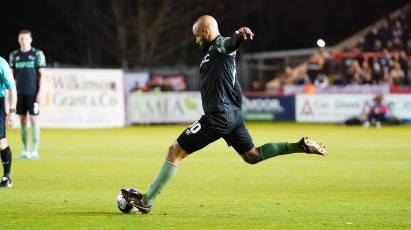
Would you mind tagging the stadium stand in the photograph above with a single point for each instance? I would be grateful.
(379, 55)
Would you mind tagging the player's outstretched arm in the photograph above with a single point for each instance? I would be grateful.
(240, 35)
(245, 33)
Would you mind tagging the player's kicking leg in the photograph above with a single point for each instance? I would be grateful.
(269, 150)
(194, 138)
(169, 169)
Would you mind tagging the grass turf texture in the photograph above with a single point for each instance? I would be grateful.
(365, 182)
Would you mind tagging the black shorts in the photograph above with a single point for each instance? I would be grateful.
(2, 119)
(201, 133)
(27, 103)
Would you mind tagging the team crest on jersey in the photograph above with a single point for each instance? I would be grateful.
(32, 58)
(17, 58)
(205, 60)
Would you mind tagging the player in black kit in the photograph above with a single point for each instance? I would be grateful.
(221, 97)
(28, 65)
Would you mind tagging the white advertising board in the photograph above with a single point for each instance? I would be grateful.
(82, 98)
(340, 107)
(166, 107)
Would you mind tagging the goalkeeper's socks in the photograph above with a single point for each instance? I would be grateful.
(282, 148)
(6, 160)
(167, 172)
(24, 132)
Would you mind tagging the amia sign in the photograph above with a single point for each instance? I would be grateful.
(82, 98)
(166, 107)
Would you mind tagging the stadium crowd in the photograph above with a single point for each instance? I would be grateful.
(382, 56)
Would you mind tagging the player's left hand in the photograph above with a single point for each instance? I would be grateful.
(245, 32)
(10, 120)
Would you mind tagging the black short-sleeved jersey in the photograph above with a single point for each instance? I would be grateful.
(25, 66)
(221, 93)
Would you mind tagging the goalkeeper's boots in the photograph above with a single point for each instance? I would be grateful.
(311, 146)
(136, 199)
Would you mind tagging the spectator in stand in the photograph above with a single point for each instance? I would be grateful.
(370, 39)
(377, 46)
(377, 72)
(406, 35)
(385, 33)
(321, 81)
(401, 57)
(396, 44)
(397, 75)
(385, 60)
(366, 77)
(403, 60)
(301, 76)
(376, 114)
(329, 63)
(397, 29)
(354, 73)
(314, 66)
(286, 78)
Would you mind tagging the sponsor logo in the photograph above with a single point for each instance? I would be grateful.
(25, 64)
(75, 82)
(190, 105)
(67, 91)
(307, 109)
(262, 105)
(81, 98)
(164, 108)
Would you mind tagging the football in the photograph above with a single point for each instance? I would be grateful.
(123, 205)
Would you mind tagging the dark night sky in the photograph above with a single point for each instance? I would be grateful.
(278, 25)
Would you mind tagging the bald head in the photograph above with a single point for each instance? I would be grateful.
(205, 29)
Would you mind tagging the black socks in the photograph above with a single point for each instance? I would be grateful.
(6, 160)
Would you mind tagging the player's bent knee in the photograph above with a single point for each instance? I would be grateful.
(3, 143)
(250, 160)
(176, 153)
(252, 157)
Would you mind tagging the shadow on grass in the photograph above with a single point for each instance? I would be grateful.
(91, 213)
(104, 213)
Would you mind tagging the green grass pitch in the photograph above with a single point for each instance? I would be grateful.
(364, 183)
